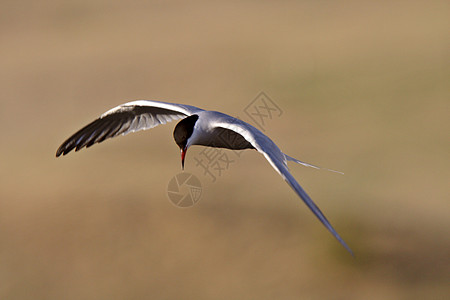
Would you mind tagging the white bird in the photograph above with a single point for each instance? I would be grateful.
(197, 127)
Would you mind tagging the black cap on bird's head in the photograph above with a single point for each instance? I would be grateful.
(183, 131)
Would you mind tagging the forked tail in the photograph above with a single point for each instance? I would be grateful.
(309, 165)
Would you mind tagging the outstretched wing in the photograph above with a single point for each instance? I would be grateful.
(277, 159)
(126, 118)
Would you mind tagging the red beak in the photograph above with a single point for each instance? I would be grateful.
(183, 154)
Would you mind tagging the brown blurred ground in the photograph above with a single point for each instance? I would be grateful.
(363, 87)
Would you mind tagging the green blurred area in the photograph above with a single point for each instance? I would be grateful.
(363, 87)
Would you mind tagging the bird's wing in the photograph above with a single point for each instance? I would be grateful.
(225, 138)
(277, 159)
(126, 118)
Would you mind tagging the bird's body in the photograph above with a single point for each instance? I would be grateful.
(210, 130)
(197, 127)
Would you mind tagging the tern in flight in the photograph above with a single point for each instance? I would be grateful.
(197, 127)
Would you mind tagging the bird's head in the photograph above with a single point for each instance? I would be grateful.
(183, 131)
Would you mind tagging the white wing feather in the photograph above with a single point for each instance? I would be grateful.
(278, 160)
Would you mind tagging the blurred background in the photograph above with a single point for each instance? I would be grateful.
(363, 88)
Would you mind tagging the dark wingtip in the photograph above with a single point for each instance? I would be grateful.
(58, 152)
(63, 150)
